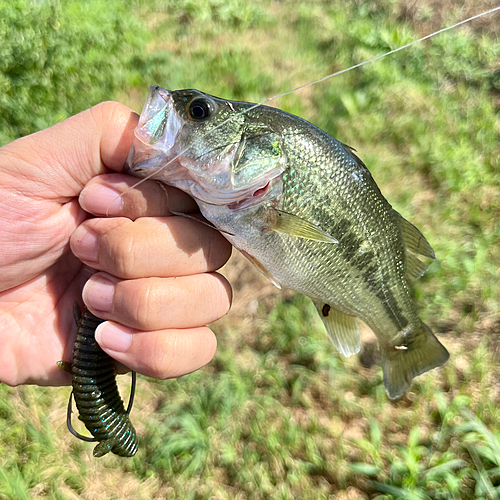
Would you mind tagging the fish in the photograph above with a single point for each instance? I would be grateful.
(304, 209)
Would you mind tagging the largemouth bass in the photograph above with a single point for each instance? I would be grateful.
(304, 209)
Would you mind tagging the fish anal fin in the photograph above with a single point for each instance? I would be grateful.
(293, 225)
(413, 239)
(342, 329)
(262, 269)
(416, 352)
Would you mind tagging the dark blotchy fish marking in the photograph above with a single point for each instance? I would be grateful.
(377, 286)
(362, 260)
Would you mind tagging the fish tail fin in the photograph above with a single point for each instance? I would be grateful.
(417, 351)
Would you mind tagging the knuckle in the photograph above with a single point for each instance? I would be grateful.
(9, 378)
(147, 298)
(122, 254)
(111, 109)
(165, 353)
(172, 354)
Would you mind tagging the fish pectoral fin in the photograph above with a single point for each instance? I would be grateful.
(342, 329)
(413, 239)
(293, 225)
(417, 352)
(415, 268)
(262, 269)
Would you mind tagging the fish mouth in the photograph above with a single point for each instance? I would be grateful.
(154, 164)
(155, 135)
(159, 123)
(157, 153)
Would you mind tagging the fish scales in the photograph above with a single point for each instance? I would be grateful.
(304, 209)
(345, 194)
(298, 264)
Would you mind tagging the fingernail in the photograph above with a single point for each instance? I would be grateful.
(98, 293)
(112, 337)
(101, 200)
(85, 244)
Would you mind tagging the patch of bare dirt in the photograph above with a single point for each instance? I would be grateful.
(350, 494)
(251, 290)
(431, 15)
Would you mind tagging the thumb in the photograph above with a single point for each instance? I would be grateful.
(56, 163)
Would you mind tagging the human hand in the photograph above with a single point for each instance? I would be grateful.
(156, 283)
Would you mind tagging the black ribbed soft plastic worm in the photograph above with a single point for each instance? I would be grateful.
(96, 393)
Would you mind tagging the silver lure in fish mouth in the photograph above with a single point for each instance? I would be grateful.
(166, 147)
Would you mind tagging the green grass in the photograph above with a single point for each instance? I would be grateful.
(279, 414)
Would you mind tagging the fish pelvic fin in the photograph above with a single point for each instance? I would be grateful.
(262, 269)
(342, 329)
(417, 352)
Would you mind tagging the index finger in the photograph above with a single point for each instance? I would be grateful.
(119, 195)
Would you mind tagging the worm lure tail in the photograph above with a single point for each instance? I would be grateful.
(96, 394)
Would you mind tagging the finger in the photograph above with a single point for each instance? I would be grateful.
(150, 246)
(62, 159)
(114, 195)
(156, 303)
(160, 354)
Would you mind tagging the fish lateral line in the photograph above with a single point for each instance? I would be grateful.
(309, 84)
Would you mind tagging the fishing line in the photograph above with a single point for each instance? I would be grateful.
(309, 84)
(376, 58)
(188, 216)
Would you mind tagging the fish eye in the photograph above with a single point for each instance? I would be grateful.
(200, 109)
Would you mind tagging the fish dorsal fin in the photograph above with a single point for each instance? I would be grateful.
(342, 329)
(415, 268)
(352, 153)
(293, 225)
(414, 240)
(415, 243)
